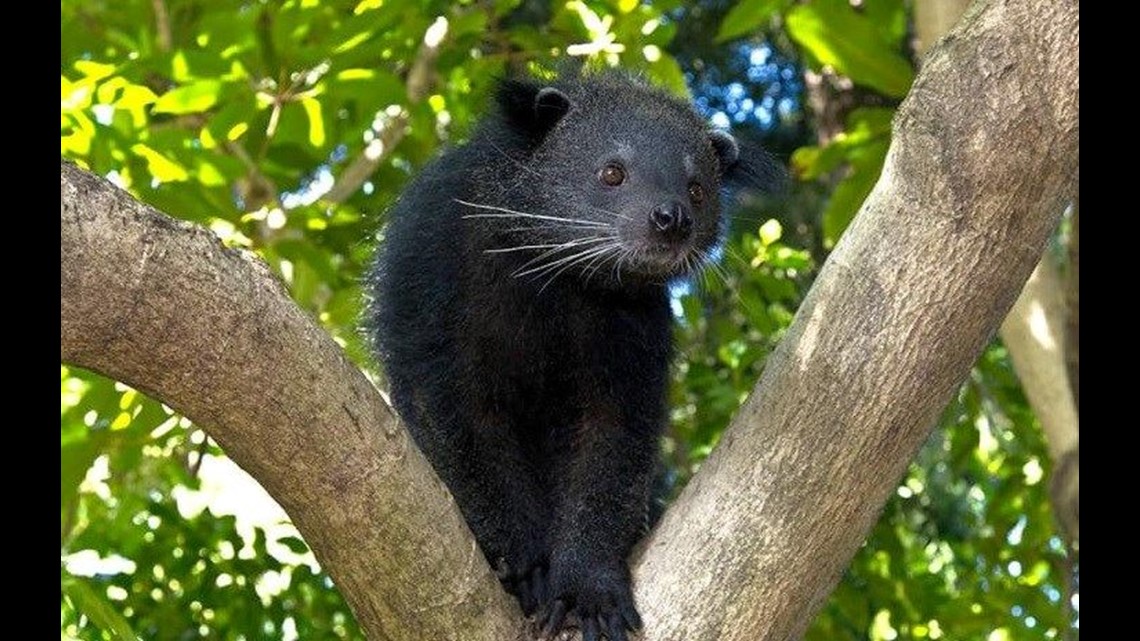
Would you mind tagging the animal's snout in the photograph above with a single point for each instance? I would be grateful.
(672, 220)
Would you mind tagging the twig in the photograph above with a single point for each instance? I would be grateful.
(395, 127)
(162, 25)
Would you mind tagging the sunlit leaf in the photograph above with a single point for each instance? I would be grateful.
(162, 168)
(312, 108)
(837, 36)
(850, 193)
(97, 608)
(192, 98)
(746, 17)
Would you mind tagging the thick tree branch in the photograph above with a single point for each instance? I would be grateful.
(1034, 334)
(984, 158)
(1073, 305)
(161, 305)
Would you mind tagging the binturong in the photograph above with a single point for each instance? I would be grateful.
(520, 307)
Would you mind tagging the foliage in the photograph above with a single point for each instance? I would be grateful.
(241, 115)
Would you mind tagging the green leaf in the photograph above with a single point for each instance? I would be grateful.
(770, 232)
(312, 108)
(835, 35)
(295, 545)
(666, 72)
(865, 125)
(75, 458)
(850, 193)
(192, 98)
(159, 166)
(889, 18)
(746, 17)
(94, 70)
(97, 608)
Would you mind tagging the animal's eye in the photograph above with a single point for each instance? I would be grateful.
(612, 175)
(696, 193)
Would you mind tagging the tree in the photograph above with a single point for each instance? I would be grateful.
(878, 347)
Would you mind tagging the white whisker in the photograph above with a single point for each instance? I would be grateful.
(511, 213)
(567, 244)
(581, 259)
(599, 260)
(556, 263)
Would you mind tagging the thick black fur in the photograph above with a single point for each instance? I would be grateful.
(538, 392)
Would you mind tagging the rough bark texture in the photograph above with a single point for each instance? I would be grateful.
(1035, 332)
(161, 305)
(983, 161)
(984, 158)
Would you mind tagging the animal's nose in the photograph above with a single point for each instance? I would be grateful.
(672, 219)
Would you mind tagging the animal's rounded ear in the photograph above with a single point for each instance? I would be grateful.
(746, 166)
(531, 109)
(727, 151)
(550, 105)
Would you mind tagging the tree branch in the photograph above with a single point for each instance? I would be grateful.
(162, 25)
(1073, 305)
(983, 160)
(1034, 334)
(161, 305)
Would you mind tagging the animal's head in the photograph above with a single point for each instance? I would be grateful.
(621, 179)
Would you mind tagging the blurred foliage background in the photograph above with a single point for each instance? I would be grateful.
(288, 128)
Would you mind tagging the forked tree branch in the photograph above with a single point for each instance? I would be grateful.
(984, 158)
(163, 306)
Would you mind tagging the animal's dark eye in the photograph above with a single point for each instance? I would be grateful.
(612, 175)
(696, 193)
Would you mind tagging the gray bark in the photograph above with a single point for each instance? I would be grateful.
(1035, 331)
(1034, 334)
(163, 306)
(984, 158)
(983, 161)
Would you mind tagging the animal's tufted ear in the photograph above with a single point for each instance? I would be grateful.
(727, 151)
(746, 166)
(532, 109)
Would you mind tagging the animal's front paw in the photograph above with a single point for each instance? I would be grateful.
(524, 576)
(597, 597)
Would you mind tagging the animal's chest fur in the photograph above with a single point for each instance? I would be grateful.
(542, 361)
(530, 361)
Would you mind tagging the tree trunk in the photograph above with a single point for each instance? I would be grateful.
(1041, 340)
(983, 161)
(1034, 334)
(984, 158)
(163, 306)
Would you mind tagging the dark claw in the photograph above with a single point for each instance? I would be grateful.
(555, 618)
(538, 585)
(614, 629)
(526, 598)
(631, 617)
(590, 629)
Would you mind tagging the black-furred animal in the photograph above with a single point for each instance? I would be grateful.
(520, 308)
